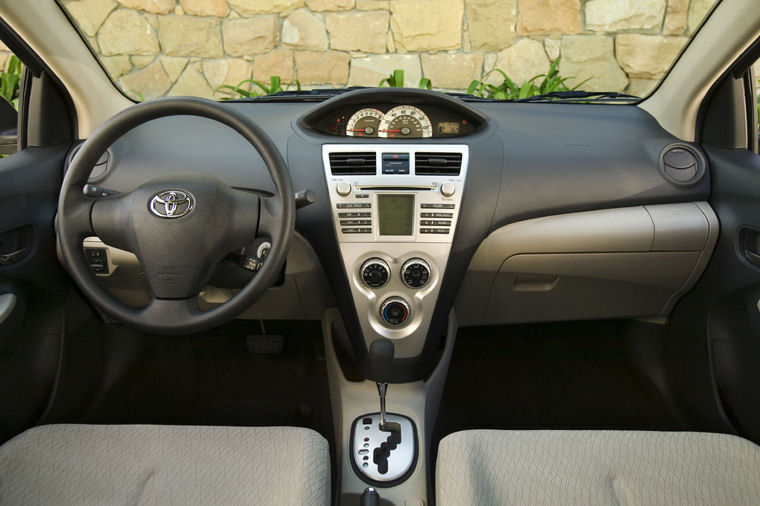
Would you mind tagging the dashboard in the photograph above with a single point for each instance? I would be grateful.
(525, 213)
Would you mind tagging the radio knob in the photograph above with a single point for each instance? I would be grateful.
(415, 273)
(394, 311)
(343, 189)
(375, 272)
(448, 189)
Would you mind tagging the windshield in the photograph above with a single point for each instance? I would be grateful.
(226, 49)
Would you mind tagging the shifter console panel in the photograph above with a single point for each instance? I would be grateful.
(383, 456)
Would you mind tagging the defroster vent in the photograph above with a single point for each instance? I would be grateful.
(364, 163)
(427, 164)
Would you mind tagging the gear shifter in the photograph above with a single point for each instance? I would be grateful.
(381, 360)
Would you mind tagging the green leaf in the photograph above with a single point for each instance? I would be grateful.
(398, 78)
(425, 84)
(10, 79)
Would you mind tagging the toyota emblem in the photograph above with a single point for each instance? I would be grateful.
(171, 203)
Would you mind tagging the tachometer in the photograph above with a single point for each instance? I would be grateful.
(364, 123)
(405, 121)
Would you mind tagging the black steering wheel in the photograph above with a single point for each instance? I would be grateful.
(179, 227)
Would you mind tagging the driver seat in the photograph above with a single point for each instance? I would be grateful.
(161, 464)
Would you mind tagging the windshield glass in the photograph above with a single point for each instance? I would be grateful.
(508, 49)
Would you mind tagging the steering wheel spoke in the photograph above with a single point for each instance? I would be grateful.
(269, 216)
(110, 217)
(165, 314)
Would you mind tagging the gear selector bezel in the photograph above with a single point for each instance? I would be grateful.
(402, 460)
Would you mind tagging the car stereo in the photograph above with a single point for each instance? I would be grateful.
(395, 194)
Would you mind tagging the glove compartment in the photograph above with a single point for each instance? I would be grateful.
(612, 263)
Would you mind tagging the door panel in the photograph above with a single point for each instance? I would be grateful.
(716, 347)
(31, 276)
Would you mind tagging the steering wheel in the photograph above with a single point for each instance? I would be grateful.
(180, 227)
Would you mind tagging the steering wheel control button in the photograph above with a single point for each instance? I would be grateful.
(375, 272)
(171, 203)
(415, 273)
(448, 189)
(343, 189)
(97, 259)
(395, 311)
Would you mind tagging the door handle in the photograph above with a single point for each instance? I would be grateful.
(12, 258)
(749, 245)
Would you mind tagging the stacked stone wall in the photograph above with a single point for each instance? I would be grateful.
(192, 47)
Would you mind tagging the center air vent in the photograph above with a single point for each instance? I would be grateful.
(364, 163)
(427, 164)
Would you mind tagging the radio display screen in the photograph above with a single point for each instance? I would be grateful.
(396, 214)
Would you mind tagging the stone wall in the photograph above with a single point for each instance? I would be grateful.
(191, 47)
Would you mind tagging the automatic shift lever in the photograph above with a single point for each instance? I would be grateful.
(381, 358)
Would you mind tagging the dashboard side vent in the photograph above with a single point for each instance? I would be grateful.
(682, 163)
(430, 164)
(364, 163)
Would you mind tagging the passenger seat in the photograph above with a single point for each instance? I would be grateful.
(491, 467)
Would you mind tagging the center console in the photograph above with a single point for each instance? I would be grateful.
(395, 209)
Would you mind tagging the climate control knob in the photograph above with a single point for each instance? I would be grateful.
(375, 272)
(415, 273)
(394, 311)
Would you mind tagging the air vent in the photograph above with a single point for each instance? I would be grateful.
(682, 163)
(364, 163)
(426, 164)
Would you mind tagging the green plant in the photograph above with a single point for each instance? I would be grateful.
(509, 90)
(10, 78)
(138, 95)
(255, 88)
(396, 80)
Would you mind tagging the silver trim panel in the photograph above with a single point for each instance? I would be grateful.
(431, 248)
(400, 459)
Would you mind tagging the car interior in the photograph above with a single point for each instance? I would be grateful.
(486, 302)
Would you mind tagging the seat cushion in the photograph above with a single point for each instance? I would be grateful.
(488, 467)
(154, 464)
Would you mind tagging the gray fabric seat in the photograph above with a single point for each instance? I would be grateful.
(151, 464)
(488, 467)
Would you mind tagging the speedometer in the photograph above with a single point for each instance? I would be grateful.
(405, 121)
(364, 123)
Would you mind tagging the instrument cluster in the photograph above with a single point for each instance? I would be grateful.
(395, 122)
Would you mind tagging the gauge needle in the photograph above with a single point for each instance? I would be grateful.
(390, 130)
(356, 130)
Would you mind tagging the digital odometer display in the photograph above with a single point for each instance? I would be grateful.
(396, 214)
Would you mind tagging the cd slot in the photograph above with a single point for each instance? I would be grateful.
(396, 188)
